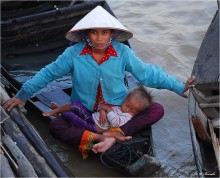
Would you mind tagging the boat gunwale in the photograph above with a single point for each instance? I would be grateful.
(63, 10)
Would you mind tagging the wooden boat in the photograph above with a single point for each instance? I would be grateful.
(41, 102)
(20, 157)
(204, 104)
(15, 9)
(29, 27)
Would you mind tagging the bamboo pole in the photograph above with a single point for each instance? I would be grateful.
(30, 132)
(4, 115)
(6, 170)
(41, 167)
(25, 168)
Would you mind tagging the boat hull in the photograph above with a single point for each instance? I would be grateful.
(32, 31)
(204, 103)
(52, 26)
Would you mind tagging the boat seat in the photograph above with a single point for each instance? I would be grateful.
(58, 96)
(44, 99)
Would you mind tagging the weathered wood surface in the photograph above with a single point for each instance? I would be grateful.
(208, 101)
(41, 167)
(25, 168)
(206, 67)
(204, 101)
(200, 129)
(4, 115)
(215, 142)
(6, 170)
(10, 127)
(46, 26)
(205, 158)
(33, 136)
(13, 9)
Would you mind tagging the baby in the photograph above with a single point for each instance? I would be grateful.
(106, 116)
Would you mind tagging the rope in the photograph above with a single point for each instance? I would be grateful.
(124, 153)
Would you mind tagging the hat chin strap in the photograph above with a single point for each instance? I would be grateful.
(112, 39)
(89, 42)
(109, 43)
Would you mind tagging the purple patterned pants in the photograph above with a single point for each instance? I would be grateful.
(80, 117)
(70, 134)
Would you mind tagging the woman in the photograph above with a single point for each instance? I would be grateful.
(98, 63)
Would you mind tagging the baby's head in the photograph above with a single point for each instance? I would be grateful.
(136, 101)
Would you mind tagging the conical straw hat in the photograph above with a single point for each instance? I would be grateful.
(98, 18)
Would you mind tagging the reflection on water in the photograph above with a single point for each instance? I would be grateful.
(70, 156)
(166, 33)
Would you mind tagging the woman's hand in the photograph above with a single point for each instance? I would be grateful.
(188, 85)
(10, 103)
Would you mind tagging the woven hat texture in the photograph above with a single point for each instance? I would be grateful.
(98, 18)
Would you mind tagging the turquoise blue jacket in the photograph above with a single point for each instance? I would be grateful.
(87, 74)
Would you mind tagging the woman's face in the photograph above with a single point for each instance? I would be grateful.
(99, 37)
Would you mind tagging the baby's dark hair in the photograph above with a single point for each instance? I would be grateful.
(142, 95)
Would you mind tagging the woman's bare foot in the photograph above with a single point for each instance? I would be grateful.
(103, 145)
(54, 105)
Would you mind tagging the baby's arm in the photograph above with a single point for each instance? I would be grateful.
(103, 111)
(115, 118)
(57, 111)
(103, 116)
(106, 108)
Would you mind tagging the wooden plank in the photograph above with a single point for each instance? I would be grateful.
(4, 115)
(42, 107)
(200, 130)
(25, 168)
(200, 97)
(31, 133)
(209, 105)
(38, 162)
(211, 113)
(6, 170)
(13, 163)
(58, 96)
(45, 99)
(39, 27)
(215, 143)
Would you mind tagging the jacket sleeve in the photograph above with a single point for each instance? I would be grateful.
(56, 69)
(150, 75)
(144, 119)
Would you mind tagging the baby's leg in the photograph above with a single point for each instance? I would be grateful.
(53, 106)
(81, 111)
(78, 122)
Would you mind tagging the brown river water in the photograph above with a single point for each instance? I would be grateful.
(166, 33)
